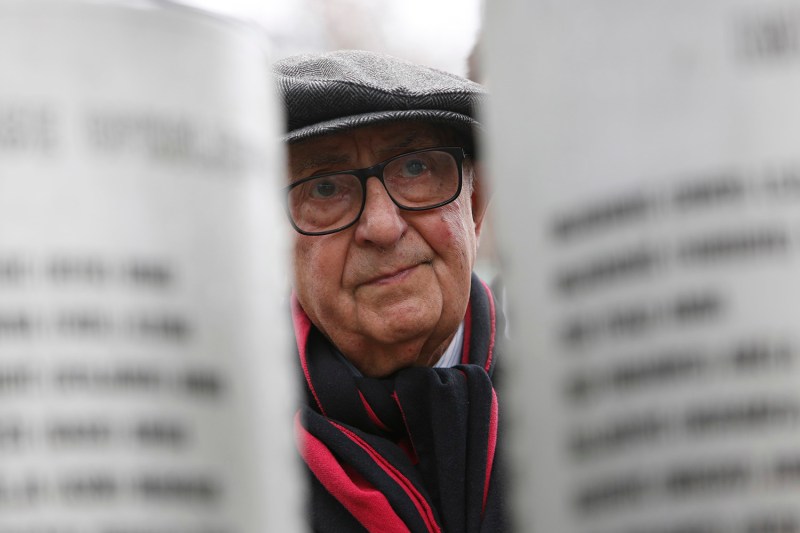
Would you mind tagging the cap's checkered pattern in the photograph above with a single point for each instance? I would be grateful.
(326, 93)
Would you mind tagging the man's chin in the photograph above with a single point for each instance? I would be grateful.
(392, 337)
(404, 318)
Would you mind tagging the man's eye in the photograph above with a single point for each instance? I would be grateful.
(324, 189)
(414, 168)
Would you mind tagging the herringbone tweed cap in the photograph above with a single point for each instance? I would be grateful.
(331, 92)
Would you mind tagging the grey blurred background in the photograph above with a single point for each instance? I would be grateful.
(438, 33)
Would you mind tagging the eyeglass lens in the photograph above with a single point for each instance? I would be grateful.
(417, 180)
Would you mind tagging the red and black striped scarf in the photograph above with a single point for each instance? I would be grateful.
(416, 451)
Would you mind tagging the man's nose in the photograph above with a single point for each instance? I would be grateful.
(381, 224)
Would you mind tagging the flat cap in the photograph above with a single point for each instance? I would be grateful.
(336, 91)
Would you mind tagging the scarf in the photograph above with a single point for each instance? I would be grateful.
(416, 451)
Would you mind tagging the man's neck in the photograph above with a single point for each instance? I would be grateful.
(450, 357)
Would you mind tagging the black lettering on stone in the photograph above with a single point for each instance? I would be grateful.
(583, 386)
(612, 493)
(84, 323)
(666, 369)
(16, 379)
(72, 433)
(776, 522)
(748, 415)
(688, 481)
(188, 489)
(148, 273)
(691, 527)
(579, 331)
(709, 192)
(27, 128)
(206, 383)
(170, 140)
(161, 433)
(603, 216)
(637, 263)
(16, 324)
(759, 355)
(148, 528)
(70, 270)
(617, 436)
(633, 320)
(12, 435)
(787, 469)
(735, 246)
(783, 183)
(162, 137)
(123, 379)
(14, 270)
(73, 378)
(88, 487)
(639, 373)
(696, 307)
(166, 327)
(23, 491)
(636, 319)
(768, 37)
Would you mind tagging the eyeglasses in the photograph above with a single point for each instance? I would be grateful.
(415, 181)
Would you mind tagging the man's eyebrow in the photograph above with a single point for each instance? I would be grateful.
(317, 160)
(413, 138)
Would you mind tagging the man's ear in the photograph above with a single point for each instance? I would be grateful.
(480, 196)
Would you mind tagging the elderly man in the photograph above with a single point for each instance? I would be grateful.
(397, 338)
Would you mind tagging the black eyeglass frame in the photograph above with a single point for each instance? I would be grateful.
(376, 171)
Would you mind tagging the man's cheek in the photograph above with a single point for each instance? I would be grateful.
(452, 234)
(304, 267)
(318, 261)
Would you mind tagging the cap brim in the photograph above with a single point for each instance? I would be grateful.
(461, 123)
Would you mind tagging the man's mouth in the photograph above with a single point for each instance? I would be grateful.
(395, 276)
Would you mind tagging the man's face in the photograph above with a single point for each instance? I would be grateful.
(391, 290)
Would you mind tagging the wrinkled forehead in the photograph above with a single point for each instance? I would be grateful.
(381, 141)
